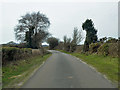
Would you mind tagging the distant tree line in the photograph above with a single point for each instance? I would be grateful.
(68, 44)
(71, 43)
(32, 31)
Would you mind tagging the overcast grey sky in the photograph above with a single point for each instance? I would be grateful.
(63, 16)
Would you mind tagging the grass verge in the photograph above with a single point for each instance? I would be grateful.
(104, 64)
(17, 72)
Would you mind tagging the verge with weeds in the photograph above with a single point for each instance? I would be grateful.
(107, 65)
(17, 72)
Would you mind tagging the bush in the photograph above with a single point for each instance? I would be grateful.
(72, 47)
(113, 49)
(104, 49)
(93, 47)
(79, 48)
(13, 53)
(36, 51)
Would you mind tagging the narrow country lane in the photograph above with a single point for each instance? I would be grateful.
(65, 71)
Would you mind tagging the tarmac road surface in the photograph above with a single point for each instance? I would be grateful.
(65, 71)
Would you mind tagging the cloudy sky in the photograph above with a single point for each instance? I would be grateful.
(64, 16)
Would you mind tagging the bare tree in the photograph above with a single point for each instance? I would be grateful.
(77, 36)
(67, 43)
(76, 39)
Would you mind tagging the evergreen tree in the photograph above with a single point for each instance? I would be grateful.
(91, 33)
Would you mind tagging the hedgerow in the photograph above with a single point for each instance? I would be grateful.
(13, 53)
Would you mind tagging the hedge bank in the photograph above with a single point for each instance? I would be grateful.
(13, 53)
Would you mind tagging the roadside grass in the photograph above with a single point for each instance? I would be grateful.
(17, 72)
(105, 64)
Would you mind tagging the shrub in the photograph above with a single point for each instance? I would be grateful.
(104, 49)
(72, 47)
(93, 47)
(36, 51)
(79, 48)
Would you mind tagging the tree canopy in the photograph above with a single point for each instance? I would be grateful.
(53, 42)
(32, 28)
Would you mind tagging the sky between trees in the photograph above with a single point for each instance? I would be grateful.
(63, 17)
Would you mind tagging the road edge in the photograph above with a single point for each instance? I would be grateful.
(93, 68)
(32, 73)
